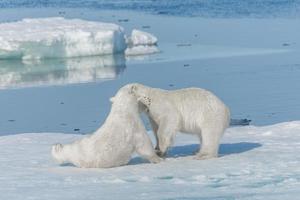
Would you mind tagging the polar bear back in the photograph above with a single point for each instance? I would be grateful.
(110, 146)
(114, 141)
(198, 106)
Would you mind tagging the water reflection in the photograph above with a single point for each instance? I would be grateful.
(17, 73)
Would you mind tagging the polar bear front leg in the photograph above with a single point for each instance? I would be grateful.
(166, 133)
(144, 147)
(155, 129)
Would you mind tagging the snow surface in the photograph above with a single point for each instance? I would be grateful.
(254, 163)
(58, 37)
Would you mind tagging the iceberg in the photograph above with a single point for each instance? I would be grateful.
(58, 37)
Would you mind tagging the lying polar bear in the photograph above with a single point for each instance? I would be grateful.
(191, 110)
(112, 144)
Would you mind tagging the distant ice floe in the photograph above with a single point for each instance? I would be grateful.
(142, 38)
(141, 43)
(58, 37)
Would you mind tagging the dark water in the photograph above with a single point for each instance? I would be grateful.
(203, 8)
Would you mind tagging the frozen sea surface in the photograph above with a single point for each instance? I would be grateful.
(254, 163)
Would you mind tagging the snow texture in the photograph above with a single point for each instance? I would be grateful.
(254, 163)
(58, 37)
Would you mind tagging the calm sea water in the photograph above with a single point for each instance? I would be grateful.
(203, 8)
(252, 64)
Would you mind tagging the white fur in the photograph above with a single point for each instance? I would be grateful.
(113, 144)
(191, 110)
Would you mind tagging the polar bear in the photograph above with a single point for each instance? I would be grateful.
(191, 110)
(112, 145)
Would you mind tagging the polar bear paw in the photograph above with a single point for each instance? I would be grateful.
(155, 159)
(204, 156)
(160, 153)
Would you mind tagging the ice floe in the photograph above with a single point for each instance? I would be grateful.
(251, 166)
(141, 43)
(142, 38)
(59, 37)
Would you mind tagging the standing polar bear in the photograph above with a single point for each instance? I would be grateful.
(112, 145)
(191, 110)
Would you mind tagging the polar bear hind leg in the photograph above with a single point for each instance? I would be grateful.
(145, 149)
(210, 141)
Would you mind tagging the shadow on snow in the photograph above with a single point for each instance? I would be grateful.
(191, 149)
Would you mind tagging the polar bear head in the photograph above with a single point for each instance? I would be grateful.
(141, 92)
(124, 99)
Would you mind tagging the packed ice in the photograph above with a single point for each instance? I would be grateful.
(59, 37)
(254, 163)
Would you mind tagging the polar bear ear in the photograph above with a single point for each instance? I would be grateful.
(133, 89)
(112, 99)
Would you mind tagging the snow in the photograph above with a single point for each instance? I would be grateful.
(254, 163)
(58, 37)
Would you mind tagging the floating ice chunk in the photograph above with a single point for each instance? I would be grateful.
(59, 37)
(141, 43)
(142, 38)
